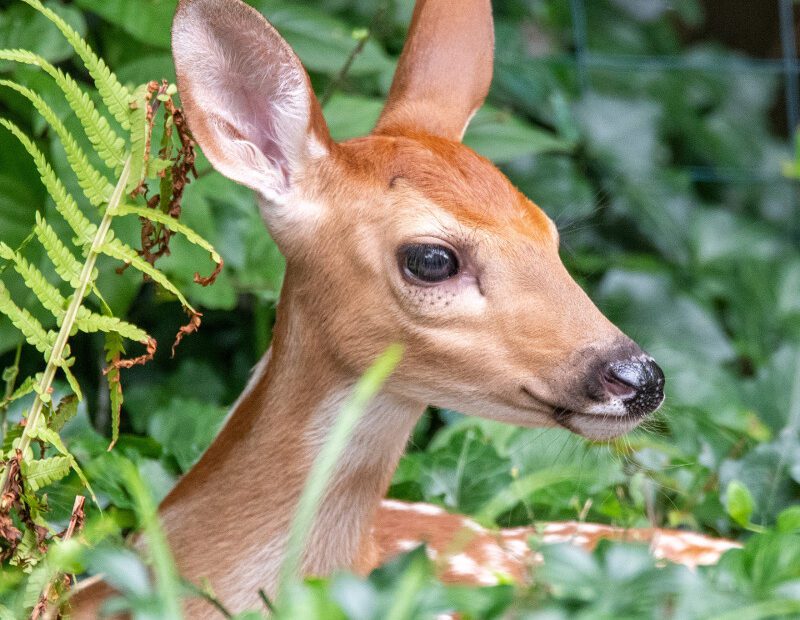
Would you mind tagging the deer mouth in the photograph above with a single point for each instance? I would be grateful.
(600, 422)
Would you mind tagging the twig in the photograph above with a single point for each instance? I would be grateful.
(337, 81)
(210, 598)
(75, 523)
(265, 599)
(363, 36)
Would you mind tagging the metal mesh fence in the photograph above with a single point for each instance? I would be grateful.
(787, 68)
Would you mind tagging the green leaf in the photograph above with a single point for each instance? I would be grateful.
(351, 116)
(22, 28)
(40, 473)
(65, 204)
(66, 410)
(91, 322)
(739, 503)
(322, 42)
(139, 137)
(147, 21)
(116, 249)
(96, 187)
(173, 224)
(114, 94)
(114, 351)
(789, 520)
(108, 144)
(502, 137)
(47, 294)
(34, 333)
(66, 265)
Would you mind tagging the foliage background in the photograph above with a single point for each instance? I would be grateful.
(668, 188)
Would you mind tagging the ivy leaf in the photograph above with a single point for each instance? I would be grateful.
(739, 503)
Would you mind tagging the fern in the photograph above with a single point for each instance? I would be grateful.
(114, 95)
(107, 143)
(96, 187)
(69, 298)
(39, 473)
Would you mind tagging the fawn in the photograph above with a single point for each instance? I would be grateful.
(402, 236)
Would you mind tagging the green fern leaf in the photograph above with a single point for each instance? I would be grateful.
(91, 322)
(71, 379)
(24, 321)
(109, 145)
(65, 204)
(25, 388)
(139, 141)
(66, 410)
(95, 186)
(41, 472)
(47, 294)
(50, 436)
(67, 266)
(173, 224)
(114, 94)
(114, 351)
(117, 249)
(27, 554)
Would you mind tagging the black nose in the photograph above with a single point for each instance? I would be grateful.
(637, 381)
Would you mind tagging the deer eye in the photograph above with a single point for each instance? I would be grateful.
(426, 262)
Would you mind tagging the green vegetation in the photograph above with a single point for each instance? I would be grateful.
(704, 274)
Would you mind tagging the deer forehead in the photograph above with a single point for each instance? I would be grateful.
(425, 178)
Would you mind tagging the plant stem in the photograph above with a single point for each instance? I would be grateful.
(313, 493)
(46, 383)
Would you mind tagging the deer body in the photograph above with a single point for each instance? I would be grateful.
(402, 236)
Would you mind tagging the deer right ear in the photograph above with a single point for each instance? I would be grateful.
(445, 69)
(247, 98)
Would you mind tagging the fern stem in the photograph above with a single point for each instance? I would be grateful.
(71, 315)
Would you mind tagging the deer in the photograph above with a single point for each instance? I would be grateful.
(403, 236)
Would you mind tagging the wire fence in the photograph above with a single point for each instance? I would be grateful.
(787, 67)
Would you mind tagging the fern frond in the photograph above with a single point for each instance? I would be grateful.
(109, 145)
(41, 472)
(47, 294)
(67, 266)
(25, 388)
(27, 554)
(119, 250)
(173, 224)
(64, 365)
(114, 94)
(43, 433)
(114, 351)
(65, 203)
(90, 322)
(66, 410)
(95, 186)
(139, 137)
(26, 323)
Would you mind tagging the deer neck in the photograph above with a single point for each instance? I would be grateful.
(239, 500)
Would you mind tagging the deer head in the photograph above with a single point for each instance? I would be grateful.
(407, 235)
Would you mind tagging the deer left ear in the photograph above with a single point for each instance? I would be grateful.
(247, 97)
(445, 69)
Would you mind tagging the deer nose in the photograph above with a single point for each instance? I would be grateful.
(637, 381)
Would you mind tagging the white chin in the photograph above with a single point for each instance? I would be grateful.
(599, 426)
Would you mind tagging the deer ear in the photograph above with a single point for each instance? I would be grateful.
(445, 69)
(247, 98)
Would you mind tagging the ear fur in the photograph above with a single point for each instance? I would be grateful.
(247, 98)
(445, 69)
